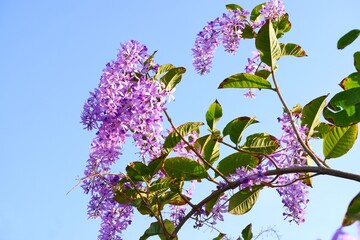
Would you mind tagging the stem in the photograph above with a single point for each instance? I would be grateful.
(287, 110)
(193, 149)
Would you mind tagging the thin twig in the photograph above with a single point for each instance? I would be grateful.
(193, 149)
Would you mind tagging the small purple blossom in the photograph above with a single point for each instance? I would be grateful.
(218, 209)
(341, 235)
(254, 64)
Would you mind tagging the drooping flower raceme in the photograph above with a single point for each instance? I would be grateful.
(292, 191)
(127, 103)
(226, 30)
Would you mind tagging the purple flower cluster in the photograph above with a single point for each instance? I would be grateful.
(127, 103)
(226, 30)
(272, 10)
(293, 191)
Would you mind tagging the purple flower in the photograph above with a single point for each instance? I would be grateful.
(273, 10)
(226, 30)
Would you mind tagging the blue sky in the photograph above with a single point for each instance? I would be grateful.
(52, 54)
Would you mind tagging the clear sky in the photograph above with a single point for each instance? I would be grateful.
(52, 54)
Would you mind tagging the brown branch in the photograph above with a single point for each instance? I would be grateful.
(303, 169)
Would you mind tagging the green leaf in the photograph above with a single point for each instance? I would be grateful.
(242, 202)
(348, 38)
(339, 140)
(209, 148)
(213, 114)
(155, 229)
(172, 77)
(291, 49)
(137, 171)
(261, 143)
(170, 198)
(351, 81)
(220, 236)
(163, 69)
(344, 108)
(248, 32)
(173, 138)
(229, 164)
(263, 73)
(247, 232)
(245, 80)
(255, 14)
(353, 212)
(161, 185)
(233, 7)
(150, 60)
(311, 113)
(322, 129)
(268, 45)
(357, 61)
(236, 127)
(282, 26)
(184, 169)
(155, 165)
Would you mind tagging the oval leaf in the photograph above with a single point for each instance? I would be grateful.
(229, 164)
(236, 127)
(351, 81)
(339, 140)
(173, 138)
(247, 232)
(172, 77)
(291, 49)
(344, 108)
(137, 171)
(213, 114)
(184, 169)
(261, 143)
(209, 149)
(268, 44)
(245, 80)
(242, 202)
(353, 212)
(357, 61)
(233, 7)
(311, 113)
(348, 38)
